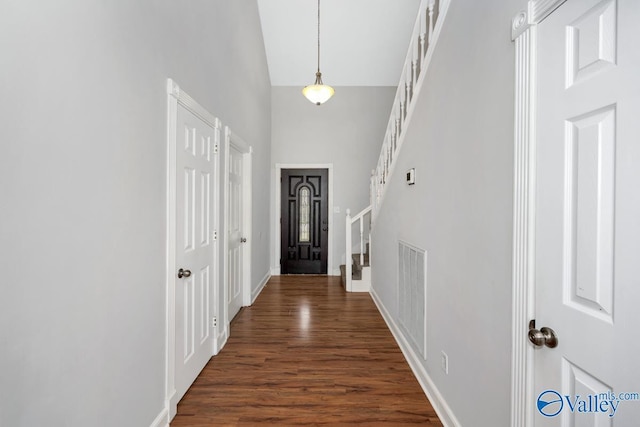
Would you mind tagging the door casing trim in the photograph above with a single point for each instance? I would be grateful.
(176, 97)
(276, 213)
(232, 139)
(524, 34)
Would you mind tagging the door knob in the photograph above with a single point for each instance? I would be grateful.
(243, 240)
(183, 273)
(544, 336)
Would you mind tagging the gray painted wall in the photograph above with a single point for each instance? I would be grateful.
(460, 210)
(82, 173)
(347, 131)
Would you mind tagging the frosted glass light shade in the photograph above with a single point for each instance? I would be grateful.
(318, 93)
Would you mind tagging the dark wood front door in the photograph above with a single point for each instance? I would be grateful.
(305, 221)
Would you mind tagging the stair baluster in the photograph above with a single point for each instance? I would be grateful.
(360, 260)
(423, 40)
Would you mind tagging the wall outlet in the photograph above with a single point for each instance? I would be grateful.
(214, 322)
(445, 363)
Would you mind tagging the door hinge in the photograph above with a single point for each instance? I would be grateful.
(216, 148)
(215, 235)
(214, 322)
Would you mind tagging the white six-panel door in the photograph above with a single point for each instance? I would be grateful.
(238, 214)
(195, 246)
(587, 212)
(236, 236)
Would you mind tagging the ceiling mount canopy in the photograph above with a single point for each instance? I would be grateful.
(318, 93)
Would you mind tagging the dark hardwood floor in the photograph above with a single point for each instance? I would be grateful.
(307, 353)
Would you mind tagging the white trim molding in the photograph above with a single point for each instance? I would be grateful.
(524, 32)
(191, 104)
(162, 419)
(519, 24)
(178, 97)
(220, 339)
(261, 285)
(523, 227)
(436, 399)
(537, 11)
(540, 9)
(232, 139)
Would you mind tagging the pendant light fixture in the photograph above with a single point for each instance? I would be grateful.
(318, 93)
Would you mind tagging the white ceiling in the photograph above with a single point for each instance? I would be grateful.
(363, 42)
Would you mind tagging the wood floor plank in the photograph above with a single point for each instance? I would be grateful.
(307, 353)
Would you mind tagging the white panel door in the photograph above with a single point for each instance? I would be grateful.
(194, 246)
(235, 231)
(587, 259)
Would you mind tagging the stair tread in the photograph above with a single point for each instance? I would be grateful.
(356, 260)
(355, 274)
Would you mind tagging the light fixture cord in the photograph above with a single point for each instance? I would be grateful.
(318, 36)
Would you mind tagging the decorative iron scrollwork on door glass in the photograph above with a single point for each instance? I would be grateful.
(304, 214)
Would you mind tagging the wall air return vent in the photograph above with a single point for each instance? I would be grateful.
(412, 295)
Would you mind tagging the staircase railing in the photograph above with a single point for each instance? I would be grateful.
(426, 32)
(359, 218)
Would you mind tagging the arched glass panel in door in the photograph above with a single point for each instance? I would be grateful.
(303, 221)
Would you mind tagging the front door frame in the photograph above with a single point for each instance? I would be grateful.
(277, 212)
(524, 34)
(177, 97)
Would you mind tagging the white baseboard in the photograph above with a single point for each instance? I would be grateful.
(437, 401)
(360, 286)
(258, 290)
(220, 340)
(276, 272)
(162, 420)
(172, 405)
(364, 284)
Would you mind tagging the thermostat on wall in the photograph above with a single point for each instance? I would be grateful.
(411, 176)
